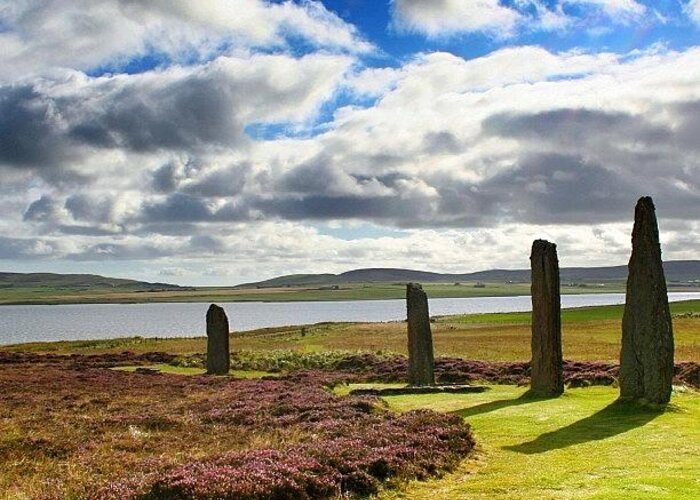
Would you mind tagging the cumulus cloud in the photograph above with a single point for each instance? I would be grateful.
(50, 122)
(85, 34)
(452, 143)
(446, 17)
(450, 159)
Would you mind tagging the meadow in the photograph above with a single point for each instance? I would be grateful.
(116, 419)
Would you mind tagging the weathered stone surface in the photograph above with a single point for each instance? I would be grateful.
(420, 338)
(547, 363)
(218, 356)
(646, 357)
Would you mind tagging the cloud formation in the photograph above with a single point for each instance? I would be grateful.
(257, 159)
(85, 34)
(692, 8)
(494, 18)
(447, 17)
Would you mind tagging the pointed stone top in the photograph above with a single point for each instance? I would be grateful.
(646, 229)
(414, 286)
(543, 244)
(215, 310)
(645, 202)
(645, 210)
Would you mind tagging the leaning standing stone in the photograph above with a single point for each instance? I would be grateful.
(218, 358)
(547, 367)
(646, 357)
(420, 338)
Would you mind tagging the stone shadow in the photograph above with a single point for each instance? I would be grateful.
(616, 418)
(526, 398)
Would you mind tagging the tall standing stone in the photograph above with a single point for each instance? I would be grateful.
(420, 338)
(646, 357)
(547, 366)
(218, 357)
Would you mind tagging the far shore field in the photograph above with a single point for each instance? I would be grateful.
(360, 291)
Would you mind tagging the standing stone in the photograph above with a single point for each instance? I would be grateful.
(547, 367)
(646, 357)
(218, 358)
(420, 338)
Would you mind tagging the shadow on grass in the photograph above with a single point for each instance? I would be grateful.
(526, 398)
(616, 418)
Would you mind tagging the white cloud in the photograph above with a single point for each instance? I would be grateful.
(692, 8)
(465, 161)
(447, 17)
(63, 121)
(84, 34)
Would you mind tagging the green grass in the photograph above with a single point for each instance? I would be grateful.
(571, 315)
(581, 445)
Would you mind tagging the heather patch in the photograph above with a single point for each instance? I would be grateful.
(393, 368)
(97, 433)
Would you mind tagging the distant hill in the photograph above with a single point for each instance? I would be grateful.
(676, 271)
(77, 281)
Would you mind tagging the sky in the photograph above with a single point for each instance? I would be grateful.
(225, 141)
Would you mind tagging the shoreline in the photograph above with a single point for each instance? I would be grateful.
(291, 298)
(584, 318)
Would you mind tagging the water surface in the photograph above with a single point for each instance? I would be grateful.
(31, 323)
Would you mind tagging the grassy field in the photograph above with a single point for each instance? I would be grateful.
(589, 334)
(581, 445)
(64, 430)
(361, 291)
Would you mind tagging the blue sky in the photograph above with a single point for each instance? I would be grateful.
(595, 30)
(232, 140)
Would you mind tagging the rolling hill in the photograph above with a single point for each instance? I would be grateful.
(77, 281)
(676, 271)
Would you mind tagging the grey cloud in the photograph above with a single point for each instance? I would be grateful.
(221, 183)
(625, 156)
(555, 188)
(85, 207)
(688, 131)
(27, 248)
(76, 230)
(187, 113)
(165, 228)
(442, 143)
(42, 210)
(386, 209)
(577, 126)
(115, 251)
(177, 207)
(179, 213)
(195, 110)
(29, 128)
(204, 243)
(315, 176)
(166, 178)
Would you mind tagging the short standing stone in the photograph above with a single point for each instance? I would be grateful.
(547, 365)
(420, 338)
(646, 357)
(218, 357)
